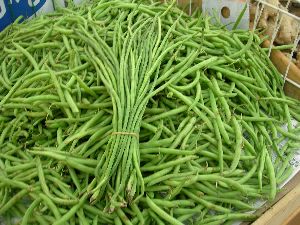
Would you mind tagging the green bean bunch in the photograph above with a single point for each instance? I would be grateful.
(128, 85)
(132, 112)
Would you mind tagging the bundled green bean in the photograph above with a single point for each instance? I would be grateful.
(132, 112)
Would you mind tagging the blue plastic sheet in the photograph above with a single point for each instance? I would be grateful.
(10, 10)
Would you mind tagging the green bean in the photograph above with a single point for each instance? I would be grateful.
(272, 177)
(117, 221)
(13, 200)
(184, 211)
(206, 203)
(189, 103)
(174, 151)
(123, 217)
(222, 99)
(169, 164)
(287, 173)
(14, 183)
(27, 54)
(249, 174)
(219, 146)
(236, 203)
(219, 122)
(232, 74)
(96, 211)
(166, 114)
(82, 218)
(231, 216)
(71, 102)
(72, 211)
(50, 205)
(60, 92)
(29, 211)
(173, 204)
(20, 167)
(46, 189)
(156, 218)
(157, 174)
(288, 134)
(183, 133)
(43, 220)
(238, 145)
(162, 213)
(138, 212)
(116, 101)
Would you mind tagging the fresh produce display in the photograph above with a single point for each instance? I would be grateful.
(132, 112)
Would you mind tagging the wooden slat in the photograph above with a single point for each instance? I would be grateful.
(294, 218)
(284, 212)
(291, 90)
(289, 187)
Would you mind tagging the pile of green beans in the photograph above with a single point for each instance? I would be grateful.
(132, 112)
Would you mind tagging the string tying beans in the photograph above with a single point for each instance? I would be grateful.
(125, 133)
